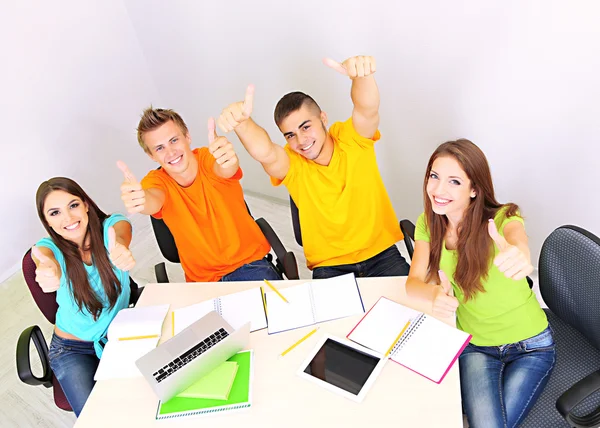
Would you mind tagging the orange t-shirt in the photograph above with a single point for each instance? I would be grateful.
(213, 230)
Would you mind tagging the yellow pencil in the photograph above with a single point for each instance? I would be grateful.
(139, 337)
(262, 294)
(173, 323)
(396, 339)
(299, 342)
(276, 291)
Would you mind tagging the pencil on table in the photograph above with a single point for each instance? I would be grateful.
(276, 291)
(299, 342)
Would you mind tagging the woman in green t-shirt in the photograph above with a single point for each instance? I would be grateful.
(472, 257)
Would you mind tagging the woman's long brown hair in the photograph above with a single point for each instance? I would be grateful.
(76, 274)
(475, 248)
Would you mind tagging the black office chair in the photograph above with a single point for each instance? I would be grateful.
(296, 222)
(46, 302)
(285, 261)
(569, 270)
(408, 230)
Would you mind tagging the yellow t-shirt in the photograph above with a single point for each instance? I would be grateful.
(346, 215)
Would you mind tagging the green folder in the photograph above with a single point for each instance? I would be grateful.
(240, 396)
(216, 384)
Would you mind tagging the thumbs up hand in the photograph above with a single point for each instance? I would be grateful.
(46, 272)
(444, 303)
(221, 148)
(119, 254)
(353, 67)
(511, 261)
(237, 113)
(132, 194)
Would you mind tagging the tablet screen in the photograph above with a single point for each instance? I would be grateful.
(342, 366)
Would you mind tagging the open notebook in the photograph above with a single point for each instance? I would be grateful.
(426, 346)
(131, 334)
(237, 309)
(240, 396)
(313, 302)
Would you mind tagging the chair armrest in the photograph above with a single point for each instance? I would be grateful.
(23, 362)
(272, 237)
(290, 266)
(575, 395)
(160, 270)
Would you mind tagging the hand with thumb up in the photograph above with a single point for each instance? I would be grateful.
(132, 194)
(444, 303)
(47, 272)
(119, 254)
(221, 149)
(511, 260)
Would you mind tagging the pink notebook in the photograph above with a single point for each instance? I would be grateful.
(428, 346)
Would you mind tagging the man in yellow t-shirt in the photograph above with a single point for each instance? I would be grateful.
(347, 220)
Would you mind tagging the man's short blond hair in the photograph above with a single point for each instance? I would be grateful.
(154, 118)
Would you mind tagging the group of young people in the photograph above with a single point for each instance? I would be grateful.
(471, 253)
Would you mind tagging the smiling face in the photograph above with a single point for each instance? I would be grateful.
(305, 131)
(449, 188)
(67, 215)
(170, 147)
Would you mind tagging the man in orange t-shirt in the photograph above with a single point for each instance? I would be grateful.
(198, 195)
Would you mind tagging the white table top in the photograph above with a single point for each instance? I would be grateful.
(280, 398)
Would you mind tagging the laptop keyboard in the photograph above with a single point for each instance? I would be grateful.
(190, 355)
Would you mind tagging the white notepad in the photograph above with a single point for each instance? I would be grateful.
(314, 302)
(133, 333)
(428, 346)
(237, 309)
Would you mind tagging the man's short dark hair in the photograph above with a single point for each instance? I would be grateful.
(292, 102)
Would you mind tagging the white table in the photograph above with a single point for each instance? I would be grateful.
(399, 397)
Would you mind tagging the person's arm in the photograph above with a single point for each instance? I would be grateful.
(136, 199)
(47, 272)
(443, 304)
(514, 257)
(364, 92)
(236, 117)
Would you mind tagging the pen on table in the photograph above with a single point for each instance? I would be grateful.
(397, 339)
(262, 294)
(299, 342)
(151, 336)
(276, 291)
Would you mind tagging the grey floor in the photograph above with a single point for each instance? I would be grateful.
(22, 405)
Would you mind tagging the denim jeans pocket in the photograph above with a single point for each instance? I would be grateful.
(540, 342)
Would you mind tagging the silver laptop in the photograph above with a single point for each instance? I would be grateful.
(176, 364)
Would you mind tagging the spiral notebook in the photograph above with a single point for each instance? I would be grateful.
(426, 346)
(237, 309)
(240, 395)
(314, 302)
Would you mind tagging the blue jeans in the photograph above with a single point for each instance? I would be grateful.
(255, 271)
(74, 363)
(500, 384)
(387, 263)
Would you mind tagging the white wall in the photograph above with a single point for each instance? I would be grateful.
(518, 78)
(73, 82)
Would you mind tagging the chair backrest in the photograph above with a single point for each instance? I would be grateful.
(45, 301)
(296, 222)
(569, 275)
(408, 230)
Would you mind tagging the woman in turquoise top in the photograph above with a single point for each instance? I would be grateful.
(86, 260)
(472, 257)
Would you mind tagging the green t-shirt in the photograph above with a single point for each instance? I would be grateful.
(507, 312)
